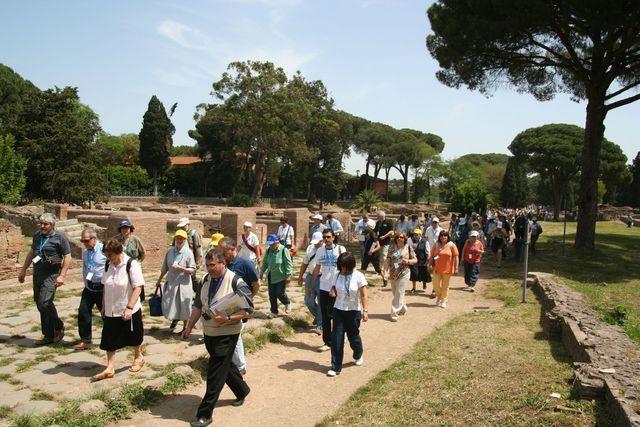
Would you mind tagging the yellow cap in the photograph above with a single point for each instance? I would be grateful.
(417, 231)
(181, 233)
(215, 239)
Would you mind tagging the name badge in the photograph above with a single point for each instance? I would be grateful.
(470, 256)
(90, 275)
(36, 259)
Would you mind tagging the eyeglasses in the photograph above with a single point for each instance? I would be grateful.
(85, 240)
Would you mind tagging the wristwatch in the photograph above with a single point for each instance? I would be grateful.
(228, 318)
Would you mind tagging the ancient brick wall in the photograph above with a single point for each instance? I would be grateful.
(11, 244)
(150, 228)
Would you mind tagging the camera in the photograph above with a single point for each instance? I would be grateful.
(207, 314)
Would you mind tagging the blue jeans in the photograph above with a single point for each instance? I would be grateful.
(238, 354)
(311, 300)
(349, 322)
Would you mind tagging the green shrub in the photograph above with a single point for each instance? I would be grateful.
(127, 179)
(242, 200)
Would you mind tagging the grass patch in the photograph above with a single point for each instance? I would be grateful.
(42, 395)
(7, 378)
(5, 411)
(23, 366)
(609, 277)
(176, 382)
(272, 334)
(486, 368)
(6, 361)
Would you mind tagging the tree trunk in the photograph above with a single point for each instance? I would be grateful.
(261, 175)
(155, 182)
(557, 200)
(405, 184)
(366, 174)
(590, 168)
(386, 190)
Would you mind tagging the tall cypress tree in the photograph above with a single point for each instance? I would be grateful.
(515, 191)
(156, 139)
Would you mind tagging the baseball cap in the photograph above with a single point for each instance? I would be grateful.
(215, 239)
(182, 222)
(435, 219)
(316, 237)
(463, 221)
(317, 216)
(181, 233)
(474, 234)
(271, 239)
(417, 231)
(125, 223)
(247, 224)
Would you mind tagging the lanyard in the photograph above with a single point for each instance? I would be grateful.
(347, 284)
(43, 244)
(216, 288)
(90, 260)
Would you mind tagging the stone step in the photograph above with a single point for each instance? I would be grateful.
(70, 229)
(66, 222)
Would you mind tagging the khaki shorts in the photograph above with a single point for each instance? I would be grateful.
(384, 251)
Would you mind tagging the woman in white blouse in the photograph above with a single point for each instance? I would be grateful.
(121, 308)
(350, 292)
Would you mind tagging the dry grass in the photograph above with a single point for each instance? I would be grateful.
(488, 368)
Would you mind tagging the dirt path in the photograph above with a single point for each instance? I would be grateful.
(288, 381)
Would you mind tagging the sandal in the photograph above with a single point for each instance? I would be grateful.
(135, 367)
(102, 376)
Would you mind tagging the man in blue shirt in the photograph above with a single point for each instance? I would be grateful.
(93, 262)
(317, 224)
(244, 268)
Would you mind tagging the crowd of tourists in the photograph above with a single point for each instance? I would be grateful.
(401, 252)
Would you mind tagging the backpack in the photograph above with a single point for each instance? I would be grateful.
(106, 267)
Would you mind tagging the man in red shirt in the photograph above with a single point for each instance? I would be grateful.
(472, 255)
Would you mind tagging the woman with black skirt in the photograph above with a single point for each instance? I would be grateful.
(419, 271)
(121, 308)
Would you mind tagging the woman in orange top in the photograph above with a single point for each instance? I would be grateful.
(444, 260)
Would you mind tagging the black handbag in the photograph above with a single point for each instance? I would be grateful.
(155, 303)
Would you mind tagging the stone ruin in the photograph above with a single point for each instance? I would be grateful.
(606, 361)
(11, 244)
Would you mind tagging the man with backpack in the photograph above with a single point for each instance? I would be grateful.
(536, 231)
(195, 243)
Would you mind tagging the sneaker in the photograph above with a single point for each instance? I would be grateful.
(332, 373)
(438, 302)
(394, 318)
(472, 289)
(324, 348)
(443, 304)
(287, 309)
(360, 361)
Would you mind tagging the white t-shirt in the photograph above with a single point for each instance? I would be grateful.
(334, 224)
(361, 227)
(348, 291)
(310, 259)
(245, 252)
(432, 235)
(286, 233)
(118, 290)
(327, 259)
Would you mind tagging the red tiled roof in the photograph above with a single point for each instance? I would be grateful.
(184, 160)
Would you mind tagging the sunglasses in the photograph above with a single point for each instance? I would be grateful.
(85, 240)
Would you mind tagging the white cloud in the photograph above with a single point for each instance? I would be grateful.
(183, 35)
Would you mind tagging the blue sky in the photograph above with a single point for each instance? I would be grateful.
(370, 54)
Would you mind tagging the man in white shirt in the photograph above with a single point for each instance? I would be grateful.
(335, 226)
(312, 288)
(432, 233)
(361, 228)
(286, 234)
(317, 224)
(326, 268)
(249, 244)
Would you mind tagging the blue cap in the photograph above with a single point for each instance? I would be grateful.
(125, 223)
(271, 239)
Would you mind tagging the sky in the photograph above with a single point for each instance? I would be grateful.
(370, 54)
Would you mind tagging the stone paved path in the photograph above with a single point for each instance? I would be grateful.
(288, 380)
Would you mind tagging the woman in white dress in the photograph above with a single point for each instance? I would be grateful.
(177, 294)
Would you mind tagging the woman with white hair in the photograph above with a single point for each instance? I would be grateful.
(50, 254)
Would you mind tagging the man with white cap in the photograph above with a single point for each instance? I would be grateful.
(361, 228)
(384, 230)
(249, 244)
(317, 224)
(432, 233)
(312, 289)
(194, 240)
